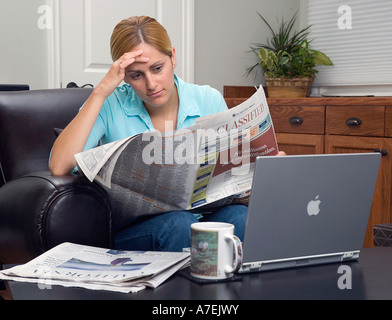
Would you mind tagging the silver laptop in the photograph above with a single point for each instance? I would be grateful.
(309, 209)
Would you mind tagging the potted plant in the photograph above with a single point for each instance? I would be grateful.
(287, 61)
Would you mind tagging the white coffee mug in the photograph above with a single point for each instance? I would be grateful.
(216, 253)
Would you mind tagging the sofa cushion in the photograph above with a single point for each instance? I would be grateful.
(39, 211)
(27, 119)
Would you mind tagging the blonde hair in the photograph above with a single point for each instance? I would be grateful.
(133, 31)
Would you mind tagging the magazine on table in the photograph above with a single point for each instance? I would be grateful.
(74, 265)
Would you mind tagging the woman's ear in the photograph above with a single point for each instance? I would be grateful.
(173, 58)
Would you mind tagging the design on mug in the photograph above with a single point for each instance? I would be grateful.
(204, 253)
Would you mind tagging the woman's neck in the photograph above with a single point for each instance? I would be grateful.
(164, 118)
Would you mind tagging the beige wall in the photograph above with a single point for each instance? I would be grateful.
(224, 31)
(23, 46)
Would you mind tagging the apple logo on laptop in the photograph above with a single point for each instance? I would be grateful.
(314, 206)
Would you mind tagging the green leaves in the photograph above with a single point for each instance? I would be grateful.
(271, 63)
(321, 59)
(284, 60)
(263, 54)
(287, 53)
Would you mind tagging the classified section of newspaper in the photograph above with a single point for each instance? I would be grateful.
(184, 169)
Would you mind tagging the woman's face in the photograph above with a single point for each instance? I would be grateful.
(153, 80)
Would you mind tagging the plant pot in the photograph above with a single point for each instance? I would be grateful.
(288, 88)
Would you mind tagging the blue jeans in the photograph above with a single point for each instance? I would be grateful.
(171, 231)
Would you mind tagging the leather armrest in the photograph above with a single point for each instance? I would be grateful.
(39, 211)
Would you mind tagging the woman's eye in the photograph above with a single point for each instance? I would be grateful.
(135, 76)
(158, 68)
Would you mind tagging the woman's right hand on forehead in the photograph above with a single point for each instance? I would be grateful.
(130, 57)
(73, 138)
(116, 73)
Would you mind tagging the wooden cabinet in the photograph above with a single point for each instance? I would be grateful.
(366, 121)
(298, 119)
(348, 125)
(339, 125)
(300, 143)
(381, 207)
(299, 129)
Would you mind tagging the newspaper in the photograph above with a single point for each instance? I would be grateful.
(208, 163)
(73, 265)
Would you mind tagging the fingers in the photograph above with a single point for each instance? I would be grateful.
(131, 57)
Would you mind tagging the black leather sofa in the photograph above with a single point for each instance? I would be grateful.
(37, 210)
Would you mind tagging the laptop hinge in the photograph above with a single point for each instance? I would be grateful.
(255, 265)
(350, 255)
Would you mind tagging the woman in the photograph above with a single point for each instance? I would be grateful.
(152, 98)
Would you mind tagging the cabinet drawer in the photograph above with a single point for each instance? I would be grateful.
(359, 121)
(298, 119)
(388, 121)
